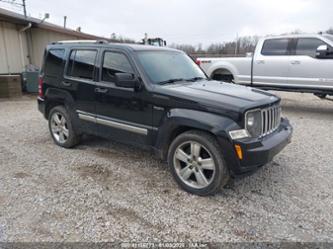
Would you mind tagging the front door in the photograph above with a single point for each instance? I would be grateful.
(271, 64)
(307, 71)
(122, 113)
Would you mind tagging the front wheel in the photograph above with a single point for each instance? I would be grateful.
(197, 164)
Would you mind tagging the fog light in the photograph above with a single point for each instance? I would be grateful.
(239, 151)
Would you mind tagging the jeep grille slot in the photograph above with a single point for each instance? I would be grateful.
(270, 118)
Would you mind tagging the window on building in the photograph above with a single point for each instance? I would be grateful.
(82, 64)
(113, 63)
(275, 47)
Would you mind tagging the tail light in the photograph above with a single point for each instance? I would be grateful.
(40, 87)
(198, 62)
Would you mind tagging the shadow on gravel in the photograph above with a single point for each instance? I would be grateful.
(250, 184)
(308, 109)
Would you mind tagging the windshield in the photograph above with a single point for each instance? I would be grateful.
(330, 37)
(169, 66)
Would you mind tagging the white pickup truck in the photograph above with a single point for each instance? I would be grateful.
(301, 63)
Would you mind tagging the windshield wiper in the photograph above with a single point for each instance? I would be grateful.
(170, 81)
(195, 79)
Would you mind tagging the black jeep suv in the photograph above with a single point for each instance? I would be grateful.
(158, 98)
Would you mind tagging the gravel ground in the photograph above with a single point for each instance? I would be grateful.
(103, 191)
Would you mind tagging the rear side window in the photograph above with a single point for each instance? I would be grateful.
(308, 46)
(275, 47)
(113, 63)
(54, 65)
(82, 64)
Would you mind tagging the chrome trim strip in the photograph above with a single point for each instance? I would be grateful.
(87, 118)
(122, 126)
(112, 123)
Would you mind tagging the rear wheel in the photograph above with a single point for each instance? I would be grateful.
(197, 163)
(61, 128)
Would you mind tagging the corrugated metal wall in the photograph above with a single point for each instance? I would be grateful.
(40, 38)
(14, 48)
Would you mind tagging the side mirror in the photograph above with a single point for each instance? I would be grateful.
(322, 51)
(126, 80)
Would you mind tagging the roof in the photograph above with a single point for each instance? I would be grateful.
(104, 43)
(295, 36)
(16, 18)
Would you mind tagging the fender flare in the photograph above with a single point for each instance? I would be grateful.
(180, 120)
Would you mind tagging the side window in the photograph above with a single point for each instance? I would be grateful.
(54, 63)
(275, 47)
(113, 63)
(308, 46)
(82, 64)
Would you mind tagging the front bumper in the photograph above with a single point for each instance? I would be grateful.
(257, 152)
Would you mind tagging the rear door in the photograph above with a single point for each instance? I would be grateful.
(271, 64)
(308, 71)
(80, 78)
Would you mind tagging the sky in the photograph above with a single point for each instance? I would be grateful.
(187, 21)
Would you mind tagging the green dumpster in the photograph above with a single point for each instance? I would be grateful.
(31, 81)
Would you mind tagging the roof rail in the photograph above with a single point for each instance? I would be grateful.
(81, 41)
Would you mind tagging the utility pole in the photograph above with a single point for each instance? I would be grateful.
(236, 47)
(65, 21)
(13, 2)
(24, 8)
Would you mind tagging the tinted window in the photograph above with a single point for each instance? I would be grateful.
(165, 65)
(115, 63)
(308, 46)
(275, 47)
(81, 64)
(54, 62)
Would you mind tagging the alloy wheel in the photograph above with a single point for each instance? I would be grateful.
(194, 164)
(59, 127)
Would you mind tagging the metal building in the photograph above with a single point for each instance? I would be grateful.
(22, 40)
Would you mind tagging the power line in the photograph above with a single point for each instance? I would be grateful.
(15, 3)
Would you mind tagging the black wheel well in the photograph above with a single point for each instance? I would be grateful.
(222, 74)
(50, 105)
(176, 132)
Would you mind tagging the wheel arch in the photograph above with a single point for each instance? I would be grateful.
(182, 120)
(223, 67)
(55, 97)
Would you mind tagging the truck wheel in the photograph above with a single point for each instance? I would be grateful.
(61, 128)
(197, 164)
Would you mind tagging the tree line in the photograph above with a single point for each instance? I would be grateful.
(239, 46)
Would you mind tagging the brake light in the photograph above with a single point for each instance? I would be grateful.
(40, 87)
(198, 62)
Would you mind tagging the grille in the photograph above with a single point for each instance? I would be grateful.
(270, 119)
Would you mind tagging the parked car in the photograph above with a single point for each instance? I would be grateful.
(301, 63)
(158, 98)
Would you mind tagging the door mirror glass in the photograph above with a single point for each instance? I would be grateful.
(126, 80)
(322, 51)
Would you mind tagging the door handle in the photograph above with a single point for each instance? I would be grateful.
(101, 90)
(295, 62)
(260, 62)
(66, 83)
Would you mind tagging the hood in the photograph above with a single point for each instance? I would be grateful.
(220, 95)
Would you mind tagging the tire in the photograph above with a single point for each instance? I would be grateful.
(208, 161)
(61, 127)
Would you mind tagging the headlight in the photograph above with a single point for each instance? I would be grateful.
(253, 123)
